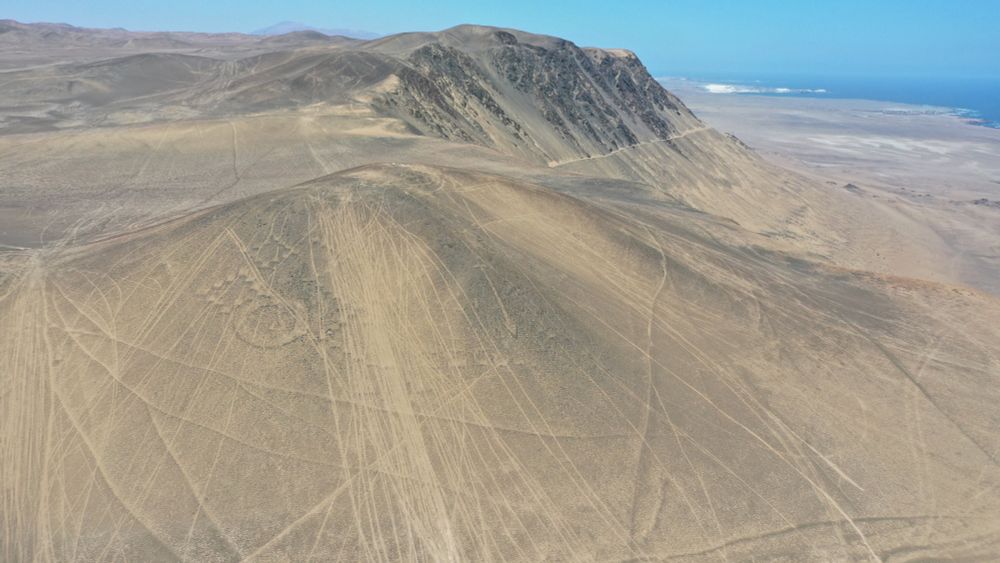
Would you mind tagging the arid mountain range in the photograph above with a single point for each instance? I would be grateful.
(475, 295)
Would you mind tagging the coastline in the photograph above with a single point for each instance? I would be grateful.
(971, 99)
(928, 167)
(936, 150)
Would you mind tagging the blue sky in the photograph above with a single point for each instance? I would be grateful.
(929, 38)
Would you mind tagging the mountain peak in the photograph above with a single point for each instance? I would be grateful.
(284, 27)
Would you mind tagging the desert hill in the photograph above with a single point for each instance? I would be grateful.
(530, 105)
(413, 362)
(523, 98)
(469, 295)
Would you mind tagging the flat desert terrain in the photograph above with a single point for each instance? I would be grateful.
(936, 170)
(474, 295)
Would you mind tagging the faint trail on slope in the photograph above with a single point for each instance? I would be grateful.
(557, 163)
(25, 431)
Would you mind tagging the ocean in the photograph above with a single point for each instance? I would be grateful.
(975, 99)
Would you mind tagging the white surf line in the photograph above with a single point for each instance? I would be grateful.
(555, 163)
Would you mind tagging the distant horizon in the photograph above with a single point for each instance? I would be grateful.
(699, 74)
(729, 74)
(972, 99)
(846, 38)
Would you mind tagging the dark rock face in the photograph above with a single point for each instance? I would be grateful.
(594, 101)
(432, 111)
(637, 92)
(452, 94)
(567, 88)
(444, 92)
(505, 37)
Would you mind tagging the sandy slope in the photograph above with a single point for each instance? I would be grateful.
(341, 307)
(415, 362)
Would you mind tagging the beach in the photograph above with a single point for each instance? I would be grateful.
(904, 147)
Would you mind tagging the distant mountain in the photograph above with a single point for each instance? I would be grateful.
(288, 27)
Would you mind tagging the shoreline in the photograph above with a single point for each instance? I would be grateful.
(726, 88)
(927, 166)
(934, 149)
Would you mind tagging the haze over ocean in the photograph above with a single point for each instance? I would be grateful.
(977, 99)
